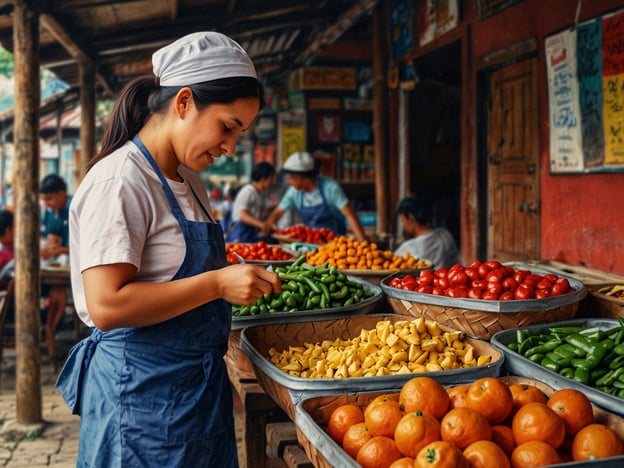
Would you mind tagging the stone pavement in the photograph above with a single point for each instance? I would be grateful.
(54, 442)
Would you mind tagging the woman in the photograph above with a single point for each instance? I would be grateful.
(149, 270)
(320, 201)
(434, 244)
(248, 205)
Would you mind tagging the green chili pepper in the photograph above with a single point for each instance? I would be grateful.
(564, 351)
(619, 349)
(561, 360)
(595, 374)
(544, 348)
(527, 344)
(550, 364)
(340, 294)
(536, 358)
(567, 372)
(565, 330)
(521, 335)
(581, 375)
(513, 346)
(312, 284)
(617, 363)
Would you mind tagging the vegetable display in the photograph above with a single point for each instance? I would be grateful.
(307, 234)
(404, 347)
(616, 291)
(307, 287)
(258, 251)
(488, 280)
(349, 254)
(591, 356)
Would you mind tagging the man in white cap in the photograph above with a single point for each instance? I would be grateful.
(149, 271)
(319, 200)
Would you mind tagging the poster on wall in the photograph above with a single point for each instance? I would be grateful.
(292, 133)
(401, 36)
(589, 63)
(437, 17)
(613, 87)
(566, 152)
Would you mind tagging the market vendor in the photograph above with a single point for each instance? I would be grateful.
(319, 200)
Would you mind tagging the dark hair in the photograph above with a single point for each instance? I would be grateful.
(6, 221)
(262, 170)
(52, 183)
(418, 206)
(142, 97)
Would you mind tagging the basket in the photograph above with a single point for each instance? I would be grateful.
(312, 415)
(482, 318)
(597, 304)
(287, 390)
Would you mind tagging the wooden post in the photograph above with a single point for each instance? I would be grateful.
(87, 117)
(27, 216)
(379, 119)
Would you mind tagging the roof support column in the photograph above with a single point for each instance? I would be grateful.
(27, 213)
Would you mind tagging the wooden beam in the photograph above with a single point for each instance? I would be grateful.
(27, 213)
(75, 50)
(333, 32)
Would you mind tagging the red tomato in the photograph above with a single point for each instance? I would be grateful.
(558, 289)
(425, 289)
(484, 270)
(493, 264)
(564, 282)
(480, 284)
(437, 291)
(441, 272)
(443, 283)
(476, 264)
(520, 275)
(457, 277)
(524, 291)
(231, 258)
(472, 273)
(410, 281)
(506, 296)
(551, 277)
(542, 293)
(494, 287)
(509, 284)
(489, 296)
(475, 293)
(495, 276)
(394, 282)
(457, 292)
(456, 267)
(425, 280)
(544, 284)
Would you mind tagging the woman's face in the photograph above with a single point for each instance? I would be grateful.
(201, 136)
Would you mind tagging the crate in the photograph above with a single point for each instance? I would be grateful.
(482, 318)
(287, 390)
(517, 364)
(312, 415)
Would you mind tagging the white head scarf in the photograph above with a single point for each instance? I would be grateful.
(200, 57)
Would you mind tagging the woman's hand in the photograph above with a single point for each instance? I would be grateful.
(244, 284)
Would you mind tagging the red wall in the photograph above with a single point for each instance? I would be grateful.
(582, 217)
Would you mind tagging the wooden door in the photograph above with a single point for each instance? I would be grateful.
(513, 163)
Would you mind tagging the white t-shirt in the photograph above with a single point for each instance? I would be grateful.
(247, 198)
(437, 246)
(120, 214)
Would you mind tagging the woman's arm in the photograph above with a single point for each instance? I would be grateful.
(247, 218)
(269, 224)
(115, 300)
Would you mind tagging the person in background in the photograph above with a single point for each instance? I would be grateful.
(319, 200)
(425, 242)
(149, 269)
(248, 208)
(55, 246)
(7, 235)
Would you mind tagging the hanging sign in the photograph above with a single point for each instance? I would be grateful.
(613, 87)
(566, 153)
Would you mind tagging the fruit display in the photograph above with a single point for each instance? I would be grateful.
(306, 234)
(347, 253)
(306, 287)
(258, 251)
(403, 347)
(489, 280)
(616, 291)
(498, 423)
(591, 356)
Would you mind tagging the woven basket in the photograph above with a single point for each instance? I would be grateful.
(481, 324)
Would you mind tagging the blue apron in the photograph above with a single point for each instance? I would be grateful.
(243, 233)
(321, 215)
(158, 395)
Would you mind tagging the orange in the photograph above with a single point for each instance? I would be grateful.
(356, 436)
(596, 441)
(523, 394)
(380, 399)
(503, 437)
(426, 395)
(414, 431)
(536, 421)
(457, 395)
(382, 418)
(379, 452)
(573, 407)
(341, 419)
(491, 397)
(533, 454)
(440, 454)
(405, 462)
(486, 454)
(463, 426)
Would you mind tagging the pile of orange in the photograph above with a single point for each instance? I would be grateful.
(484, 424)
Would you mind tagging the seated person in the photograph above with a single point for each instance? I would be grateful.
(425, 242)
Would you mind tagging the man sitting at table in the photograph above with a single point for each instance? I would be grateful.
(55, 245)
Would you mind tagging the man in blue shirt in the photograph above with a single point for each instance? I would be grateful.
(55, 243)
